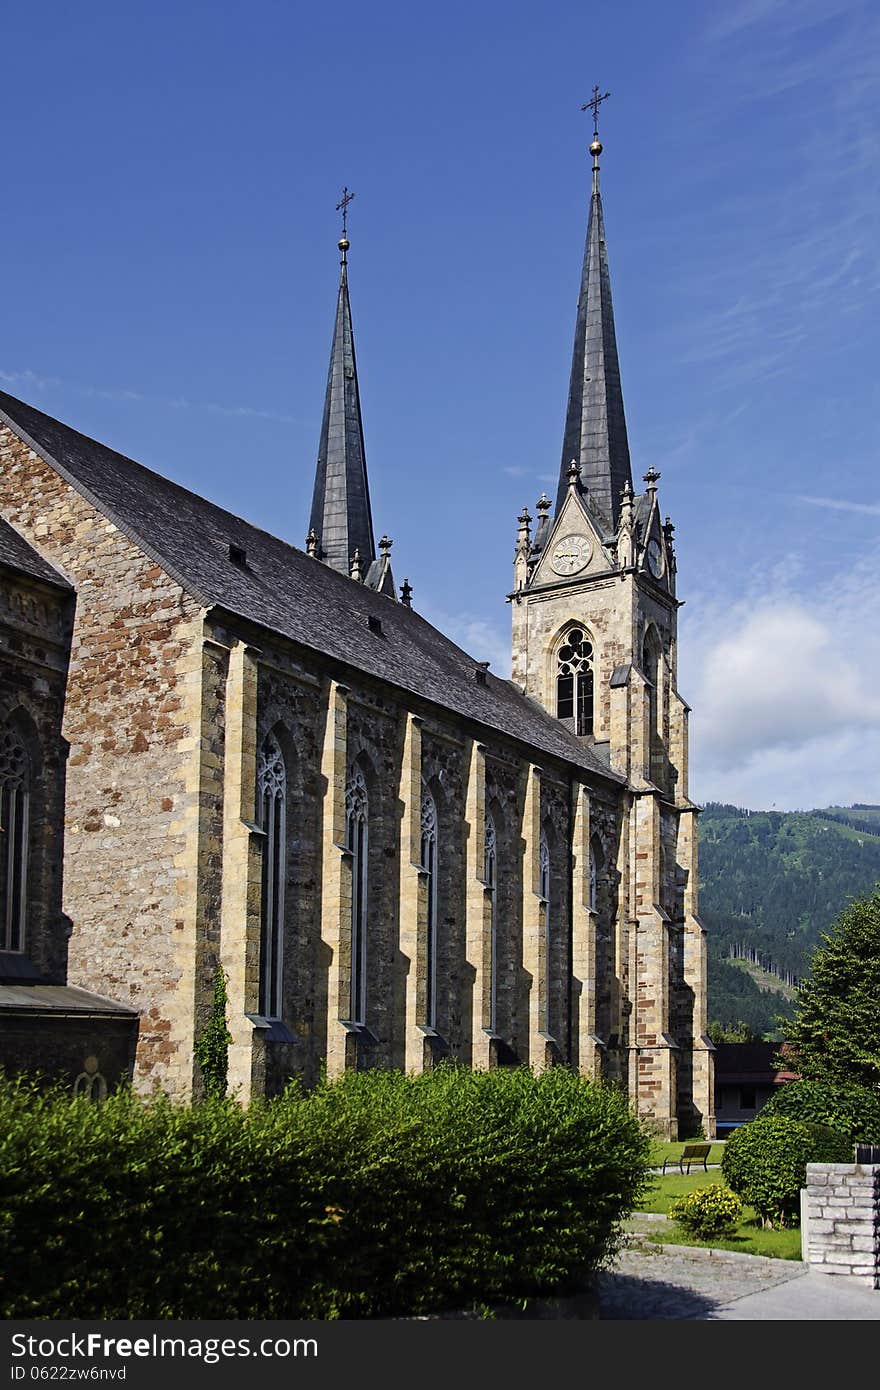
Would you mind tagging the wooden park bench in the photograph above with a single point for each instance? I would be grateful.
(691, 1153)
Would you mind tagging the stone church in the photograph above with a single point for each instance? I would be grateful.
(218, 751)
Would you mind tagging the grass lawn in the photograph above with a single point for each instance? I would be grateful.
(666, 1189)
(749, 1238)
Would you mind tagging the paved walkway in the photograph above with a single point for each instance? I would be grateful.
(687, 1284)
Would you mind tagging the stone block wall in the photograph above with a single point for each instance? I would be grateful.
(840, 1226)
(131, 719)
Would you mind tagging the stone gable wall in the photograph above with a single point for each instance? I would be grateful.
(135, 664)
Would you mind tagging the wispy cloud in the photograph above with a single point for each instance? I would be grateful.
(836, 504)
(33, 381)
(792, 258)
(794, 15)
(482, 640)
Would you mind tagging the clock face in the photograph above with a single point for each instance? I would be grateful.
(570, 554)
(655, 558)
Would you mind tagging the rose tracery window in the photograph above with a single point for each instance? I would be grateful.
(429, 865)
(357, 810)
(14, 824)
(574, 681)
(272, 804)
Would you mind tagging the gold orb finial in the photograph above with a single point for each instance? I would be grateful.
(343, 243)
(596, 148)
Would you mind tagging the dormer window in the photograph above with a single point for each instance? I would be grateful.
(574, 682)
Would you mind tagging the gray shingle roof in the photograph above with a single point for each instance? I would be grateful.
(283, 589)
(18, 554)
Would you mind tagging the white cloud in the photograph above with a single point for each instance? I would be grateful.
(785, 686)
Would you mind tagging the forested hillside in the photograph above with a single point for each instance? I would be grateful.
(770, 883)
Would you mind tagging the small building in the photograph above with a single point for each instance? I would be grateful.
(746, 1076)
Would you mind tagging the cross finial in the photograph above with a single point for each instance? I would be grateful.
(593, 105)
(342, 206)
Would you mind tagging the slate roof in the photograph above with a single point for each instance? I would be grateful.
(595, 425)
(341, 516)
(285, 590)
(59, 1000)
(18, 554)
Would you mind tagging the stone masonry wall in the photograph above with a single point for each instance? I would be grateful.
(131, 799)
(841, 1220)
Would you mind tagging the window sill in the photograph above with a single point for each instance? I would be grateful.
(271, 1029)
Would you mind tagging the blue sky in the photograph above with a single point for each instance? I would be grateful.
(170, 269)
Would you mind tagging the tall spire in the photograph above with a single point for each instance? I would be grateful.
(341, 518)
(595, 426)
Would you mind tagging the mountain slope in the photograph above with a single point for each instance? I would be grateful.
(770, 883)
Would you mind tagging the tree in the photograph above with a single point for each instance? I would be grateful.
(835, 1033)
(740, 1032)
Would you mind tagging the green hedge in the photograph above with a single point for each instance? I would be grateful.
(851, 1109)
(373, 1196)
(765, 1163)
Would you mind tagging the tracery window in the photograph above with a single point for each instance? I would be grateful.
(272, 803)
(574, 681)
(596, 863)
(651, 666)
(490, 877)
(14, 824)
(429, 865)
(357, 811)
(544, 889)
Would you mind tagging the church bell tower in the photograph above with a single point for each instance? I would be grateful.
(595, 642)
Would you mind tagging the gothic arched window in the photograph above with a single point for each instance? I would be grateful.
(357, 811)
(651, 666)
(490, 877)
(272, 803)
(14, 817)
(430, 867)
(544, 874)
(574, 681)
(596, 866)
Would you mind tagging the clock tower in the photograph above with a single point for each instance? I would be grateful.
(595, 641)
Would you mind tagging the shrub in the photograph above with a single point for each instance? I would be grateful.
(851, 1109)
(377, 1195)
(212, 1044)
(765, 1162)
(708, 1211)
